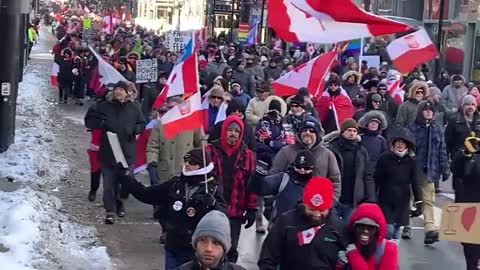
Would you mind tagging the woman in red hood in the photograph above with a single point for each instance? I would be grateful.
(370, 250)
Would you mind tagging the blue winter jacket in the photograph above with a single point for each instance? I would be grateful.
(431, 153)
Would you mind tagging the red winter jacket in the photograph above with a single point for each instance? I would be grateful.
(389, 260)
(243, 168)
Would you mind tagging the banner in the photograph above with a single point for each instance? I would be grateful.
(461, 223)
(147, 71)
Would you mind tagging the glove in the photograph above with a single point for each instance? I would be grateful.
(418, 209)
(445, 176)
(249, 218)
(350, 248)
(153, 172)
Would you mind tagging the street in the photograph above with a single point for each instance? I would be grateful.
(133, 242)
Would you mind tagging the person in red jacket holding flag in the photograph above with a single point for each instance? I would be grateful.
(234, 165)
(370, 250)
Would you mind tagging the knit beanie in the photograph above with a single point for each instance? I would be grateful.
(318, 193)
(469, 99)
(214, 224)
(348, 123)
(304, 158)
(195, 157)
(297, 99)
(122, 84)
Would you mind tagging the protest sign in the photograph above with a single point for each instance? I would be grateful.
(461, 223)
(147, 71)
(175, 40)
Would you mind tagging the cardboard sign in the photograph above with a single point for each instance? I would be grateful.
(117, 149)
(87, 23)
(176, 40)
(461, 223)
(147, 71)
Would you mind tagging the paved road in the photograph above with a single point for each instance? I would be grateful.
(133, 241)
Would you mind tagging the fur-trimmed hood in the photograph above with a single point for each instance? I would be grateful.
(364, 120)
(352, 73)
(133, 53)
(279, 99)
(415, 85)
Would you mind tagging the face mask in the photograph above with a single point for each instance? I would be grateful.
(400, 154)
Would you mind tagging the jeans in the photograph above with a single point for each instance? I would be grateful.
(344, 211)
(235, 228)
(112, 191)
(175, 258)
(393, 231)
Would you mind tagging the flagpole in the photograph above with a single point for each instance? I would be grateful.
(205, 165)
(262, 12)
(360, 57)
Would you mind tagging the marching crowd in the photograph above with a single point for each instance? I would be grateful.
(337, 176)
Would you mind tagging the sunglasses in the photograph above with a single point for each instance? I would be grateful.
(334, 85)
(215, 97)
(295, 105)
(305, 168)
(261, 91)
(311, 130)
(419, 92)
(382, 89)
(376, 101)
(188, 159)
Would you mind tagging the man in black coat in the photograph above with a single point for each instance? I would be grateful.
(120, 115)
(466, 168)
(182, 202)
(458, 129)
(150, 93)
(308, 237)
(355, 167)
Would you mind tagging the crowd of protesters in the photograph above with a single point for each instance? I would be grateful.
(334, 175)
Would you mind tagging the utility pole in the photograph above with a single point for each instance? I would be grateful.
(231, 20)
(10, 26)
(439, 39)
(262, 13)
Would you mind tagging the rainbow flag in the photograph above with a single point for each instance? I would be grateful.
(353, 47)
(243, 30)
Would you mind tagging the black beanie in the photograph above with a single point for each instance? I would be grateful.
(235, 105)
(304, 158)
(297, 99)
(275, 105)
(195, 157)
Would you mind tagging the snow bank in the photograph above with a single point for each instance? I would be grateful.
(33, 157)
(33, 235)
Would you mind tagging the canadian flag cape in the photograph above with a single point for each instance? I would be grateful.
(108, 24)
(394, 89)
(54, 74)
(411, 50)
(141, 147)
(310, 75)
(222, 111)
(333, 110)
(187, 115)
(326, 21)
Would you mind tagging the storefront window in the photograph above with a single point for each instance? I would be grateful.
(385, 7)
(467, 10)
(454, 47)
(431, 9)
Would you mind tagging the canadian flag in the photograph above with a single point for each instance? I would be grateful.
(108, 24)
(395, 91)
(108, 74)
(187, 115)
(310, 75)
(141, 147)
(326, 21)
(54, 74)
(411, 50)
(306, 237)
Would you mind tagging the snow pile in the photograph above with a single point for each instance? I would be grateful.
(33, 157)
(33, 235)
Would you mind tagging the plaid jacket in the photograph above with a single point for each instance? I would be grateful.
(244, 167)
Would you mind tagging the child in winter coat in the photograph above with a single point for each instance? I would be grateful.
(396, 173)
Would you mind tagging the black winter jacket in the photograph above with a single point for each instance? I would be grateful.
(458, 130)
(282, 250)
(124, 119)
(182, 202)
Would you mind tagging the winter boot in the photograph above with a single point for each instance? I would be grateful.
(120, 209)
(407, 232)
(94, 185)
(430, 237)
(110, 219)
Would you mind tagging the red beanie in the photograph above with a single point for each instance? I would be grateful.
(318, 193)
